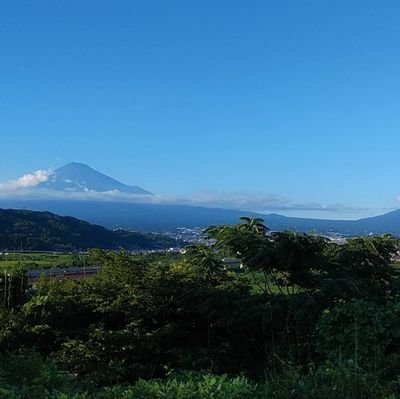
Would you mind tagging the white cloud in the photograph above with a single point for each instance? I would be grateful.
(250, 201)
(256, 202)
(25, 187)
(27, 181)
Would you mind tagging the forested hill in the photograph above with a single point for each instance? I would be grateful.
(41, 231)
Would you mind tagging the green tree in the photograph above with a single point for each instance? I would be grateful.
(206, 263)
(13, 287)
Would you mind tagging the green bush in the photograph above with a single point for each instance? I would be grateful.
(330, 381)
(27, 375)
(362, 333)
(188, 386)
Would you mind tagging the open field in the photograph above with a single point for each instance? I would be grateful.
(48, 260)
(39, 260)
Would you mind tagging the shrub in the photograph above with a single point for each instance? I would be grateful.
(189, 386)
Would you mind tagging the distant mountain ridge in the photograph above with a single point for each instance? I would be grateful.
(78, 190)
(78, 177)
(45, 231)
(161, 218)
(132, 216)
(382, 224)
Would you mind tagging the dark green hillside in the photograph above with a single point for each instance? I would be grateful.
(41, 231)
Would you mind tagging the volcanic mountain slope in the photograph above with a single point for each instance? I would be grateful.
(78, 177)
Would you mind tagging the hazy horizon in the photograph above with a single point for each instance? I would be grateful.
(32, 186)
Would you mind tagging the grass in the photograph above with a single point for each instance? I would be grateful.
(28, 260)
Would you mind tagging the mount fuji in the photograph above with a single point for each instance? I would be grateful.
(78, 177)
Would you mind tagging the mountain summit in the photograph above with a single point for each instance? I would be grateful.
(78, 177)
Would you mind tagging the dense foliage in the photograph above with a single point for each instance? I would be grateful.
(44, 231)
(302, 318)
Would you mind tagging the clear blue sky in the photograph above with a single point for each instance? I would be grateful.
(298, 99)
